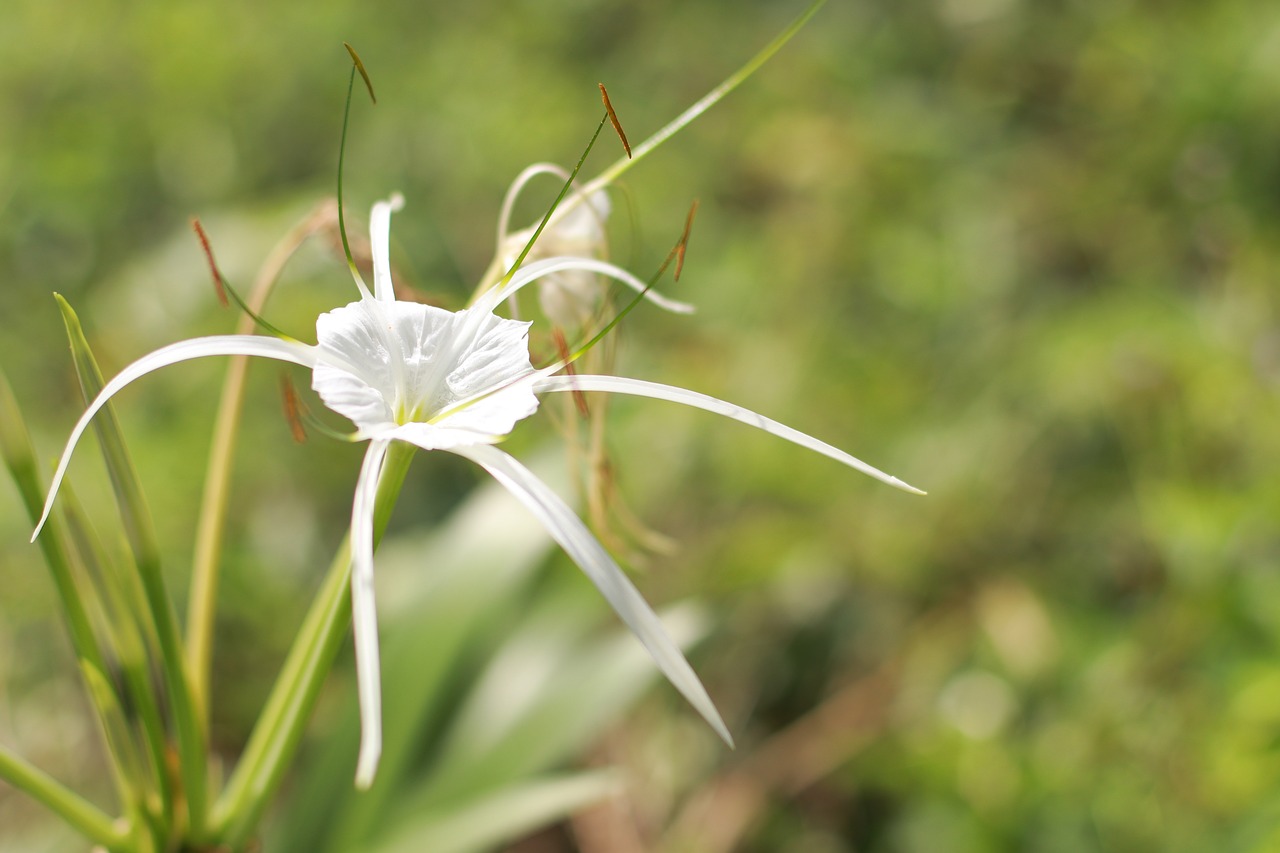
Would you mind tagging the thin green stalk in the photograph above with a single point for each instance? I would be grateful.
(78, 812)
(202, 604)
(192, 752)
(280, 727)
(705, 103)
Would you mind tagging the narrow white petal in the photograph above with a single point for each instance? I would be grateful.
(513, 192)
(379, 244)
(641, 388)
(293, 351)
(572, 535)
(530, 273)
(364, 615)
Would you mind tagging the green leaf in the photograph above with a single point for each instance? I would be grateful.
(19, 458)
(79, 813)
(549, 694)
(504, 815)
(192, 757)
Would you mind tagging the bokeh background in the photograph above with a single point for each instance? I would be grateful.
(1023, 255)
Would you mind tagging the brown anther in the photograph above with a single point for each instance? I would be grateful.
(579, 399)
(684, 238)
(213, 265)
(292, 407)
(613, 119)
(368, 84)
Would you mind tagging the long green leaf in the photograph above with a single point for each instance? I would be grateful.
(514, 726)
(192, 750)
(116, 605)
(80, 814)
(19, 458)
(502, 816)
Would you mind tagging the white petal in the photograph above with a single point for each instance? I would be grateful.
(379, 243)
(384, 363)
(568, 530)
(532, 272)
(496, 353)
(293, 351)
(356, 374)
(640, 388)
(364, 615)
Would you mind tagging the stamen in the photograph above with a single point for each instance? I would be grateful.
(676, 251)
(684, 239)
(613, 119)
(213, 265)
(291, 408)
(300, 417)
(562, 345)
(355, 57)
(224, 287)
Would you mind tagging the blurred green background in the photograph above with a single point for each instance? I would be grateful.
(1023, 255)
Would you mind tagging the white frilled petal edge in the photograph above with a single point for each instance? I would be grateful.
(455, 381)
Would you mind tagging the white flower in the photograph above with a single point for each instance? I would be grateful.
(570, 298)
(455, 381)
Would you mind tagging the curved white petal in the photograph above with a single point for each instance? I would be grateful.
(293, 351)
(641, 388)
(513, 192)
(572, 535)
(379, 244)
(530, 273)
(364, 615)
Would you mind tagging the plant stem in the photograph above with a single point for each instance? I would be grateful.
(703, 104)
(202, 604)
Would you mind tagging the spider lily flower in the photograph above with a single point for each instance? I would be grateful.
(570, 298)
(455, 381)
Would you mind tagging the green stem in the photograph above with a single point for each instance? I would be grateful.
(202, 604)
(279, 729)
(79, 813)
